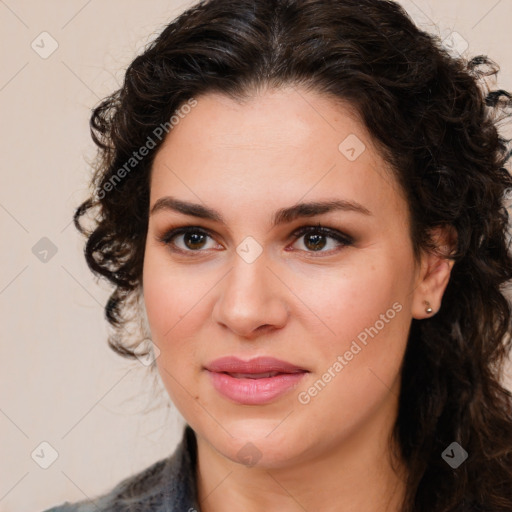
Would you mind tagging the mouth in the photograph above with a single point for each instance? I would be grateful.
(255, 382)
(254, 375)
(258, 366)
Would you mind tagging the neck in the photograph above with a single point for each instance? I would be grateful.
(353, 475)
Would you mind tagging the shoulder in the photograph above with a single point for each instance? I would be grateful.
(168, 485)
(143, 488)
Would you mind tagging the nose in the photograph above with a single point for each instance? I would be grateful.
(252, 299)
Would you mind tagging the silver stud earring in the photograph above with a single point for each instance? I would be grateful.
(428, 309)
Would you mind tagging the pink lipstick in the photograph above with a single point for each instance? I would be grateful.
(253, 382)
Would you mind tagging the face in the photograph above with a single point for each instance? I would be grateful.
(248, 274)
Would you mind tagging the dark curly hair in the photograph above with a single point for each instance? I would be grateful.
(435, 119)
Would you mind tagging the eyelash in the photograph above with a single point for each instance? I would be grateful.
(342, 239)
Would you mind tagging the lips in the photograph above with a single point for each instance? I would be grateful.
(252, 368)
(255, 382)
(253, 375)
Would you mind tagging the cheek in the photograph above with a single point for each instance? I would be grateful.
(172, 303)
(170, 293)
(366, 313)
(345, 303)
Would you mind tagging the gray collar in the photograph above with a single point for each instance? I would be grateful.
(179, 476)
(168, 485)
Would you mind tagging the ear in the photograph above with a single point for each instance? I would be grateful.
(434, 273)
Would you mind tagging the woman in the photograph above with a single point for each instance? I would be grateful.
(309, 196)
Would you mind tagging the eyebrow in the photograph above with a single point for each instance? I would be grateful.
(281, 216)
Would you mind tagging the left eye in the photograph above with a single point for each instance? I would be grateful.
(315, 237)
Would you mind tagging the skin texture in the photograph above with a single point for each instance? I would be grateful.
(293, 302)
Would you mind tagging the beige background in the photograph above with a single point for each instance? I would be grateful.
(60, 382)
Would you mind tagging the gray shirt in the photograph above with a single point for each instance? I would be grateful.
(168, 485)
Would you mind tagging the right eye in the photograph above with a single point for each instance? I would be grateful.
(192, 239)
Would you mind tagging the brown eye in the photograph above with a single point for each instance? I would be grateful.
(193, 239)
(314, 241)
(316, 238)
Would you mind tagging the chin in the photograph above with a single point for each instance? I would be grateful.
(258, 442)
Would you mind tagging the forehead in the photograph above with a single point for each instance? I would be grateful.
(284, 122)
(279, 146)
